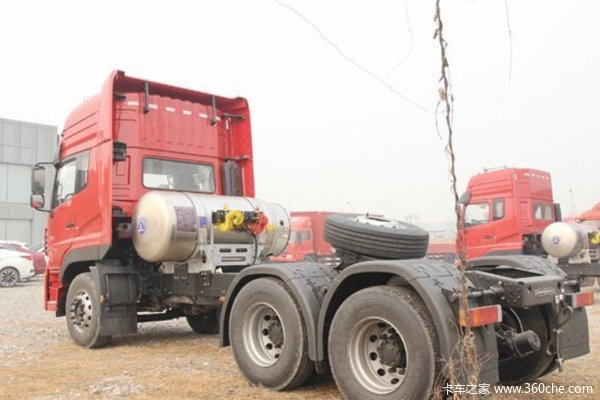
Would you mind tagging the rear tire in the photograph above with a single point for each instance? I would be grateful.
(376, 237)
(83, 312)
(9, 277)
(383, 345)
(268, 336)
(514, 370)
(204, 324)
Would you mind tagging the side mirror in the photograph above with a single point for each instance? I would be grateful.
(465, 198)
(39, 185)
(37, 201)
(38, 180)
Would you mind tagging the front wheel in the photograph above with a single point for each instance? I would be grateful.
(382, 345)
(268, 336)
(83, 312)
(9, 277)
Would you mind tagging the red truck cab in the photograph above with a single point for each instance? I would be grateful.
(591, 217)
(306, 240)
(505, 211)
(132, 137)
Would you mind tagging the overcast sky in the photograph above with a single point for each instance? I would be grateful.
(327, 135)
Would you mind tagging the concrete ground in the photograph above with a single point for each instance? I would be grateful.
(167, 360)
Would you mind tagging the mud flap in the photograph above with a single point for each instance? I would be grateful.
(117, 288)
(573, 338)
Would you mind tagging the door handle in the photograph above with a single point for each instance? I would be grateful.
(70, 225)
(488, 237)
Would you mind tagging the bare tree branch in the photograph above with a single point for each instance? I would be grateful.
(410, 33)
(510, 44)
(351, 60)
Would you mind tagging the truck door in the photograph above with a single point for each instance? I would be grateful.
(62, 227)
(479, 234)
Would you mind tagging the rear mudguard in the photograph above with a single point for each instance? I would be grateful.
(319, 291)
(572, 324)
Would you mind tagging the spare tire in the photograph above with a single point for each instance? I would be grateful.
(376, 237)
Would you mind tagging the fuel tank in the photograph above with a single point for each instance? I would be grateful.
(179, 226)
(566, 239)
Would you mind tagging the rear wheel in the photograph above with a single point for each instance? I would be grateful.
(382, 345)
(9, 276)
(268, 336)
(517, 370)
(83, 312)
(204, 324)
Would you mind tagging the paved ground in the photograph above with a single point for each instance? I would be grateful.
(164, 360)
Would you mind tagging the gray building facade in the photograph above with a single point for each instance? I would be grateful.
(22, 144)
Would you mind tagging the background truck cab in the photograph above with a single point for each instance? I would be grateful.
(306, 239)
(505, 212)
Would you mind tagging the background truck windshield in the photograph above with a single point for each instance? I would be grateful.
(178, 175)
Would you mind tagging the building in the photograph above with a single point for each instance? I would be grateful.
(22, 144)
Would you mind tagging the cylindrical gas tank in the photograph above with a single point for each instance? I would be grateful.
(565, 239)
(169, 226)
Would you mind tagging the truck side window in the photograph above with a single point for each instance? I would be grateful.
(71, 178)
(303, 236)
(477, 214)
(498, 205)
(542, 212)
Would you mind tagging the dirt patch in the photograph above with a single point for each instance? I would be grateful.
(167, 360)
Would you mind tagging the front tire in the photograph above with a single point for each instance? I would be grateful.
(382, 345)
(83, 312)
(268, 336)
(9, 277)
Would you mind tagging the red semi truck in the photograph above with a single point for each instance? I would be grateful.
(306, 239)
(151, 217)
(505, 212)
(512, 211)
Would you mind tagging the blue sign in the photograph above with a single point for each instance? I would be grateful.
(141, 226)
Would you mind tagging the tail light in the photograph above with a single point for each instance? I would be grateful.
(579, 300)
(27, 257)
(480, 316)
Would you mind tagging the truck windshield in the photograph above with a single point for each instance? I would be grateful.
(543, 212)
(178, 175)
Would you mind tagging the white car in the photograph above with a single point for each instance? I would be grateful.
(14, 267)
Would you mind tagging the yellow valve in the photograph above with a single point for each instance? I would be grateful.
(233, 218)
(596, 239)
(238, 218)
(270, 227)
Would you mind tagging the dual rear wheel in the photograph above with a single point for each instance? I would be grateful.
(382, 343)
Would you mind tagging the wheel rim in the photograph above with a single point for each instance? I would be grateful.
(263, 334)
(379, 221)
(81, 311)
(8, 277)
(377, 355)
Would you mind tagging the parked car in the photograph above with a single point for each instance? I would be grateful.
(15, 266)
(36, 252)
